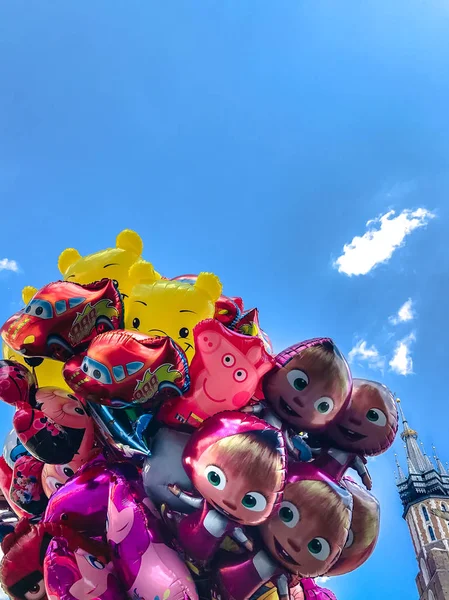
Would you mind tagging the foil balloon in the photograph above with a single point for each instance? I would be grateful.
(225, 372)
(68, 505)
(6, 476)
(63, 317)
(113, 263)
(310, 387)
(13, 449)
(171, 308)
(248, 324)
(227, 310)
(309, 590)
(21, 569)
(164, 466)
(364, 531)
(55, 427)
(315, 515)
(237, 464)
(77, 574)
(146, 567)
(47, 372)
(368, 427)
(26, 490)
(124, 431)
(122, 368)
(17, 383)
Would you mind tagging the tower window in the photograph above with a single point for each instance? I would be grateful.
(425, 513)
(443, 507)
(431, 533)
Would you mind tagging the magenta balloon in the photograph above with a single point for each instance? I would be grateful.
(81, 503)
(145, 565)
(78, 574)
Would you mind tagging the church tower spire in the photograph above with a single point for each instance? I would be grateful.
(442, 470)
(424, 492)
(415, 458)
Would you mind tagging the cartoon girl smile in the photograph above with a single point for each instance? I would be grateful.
(236, 462)
(310, 386)
(370, 423)
(302, 538)
(309, 531)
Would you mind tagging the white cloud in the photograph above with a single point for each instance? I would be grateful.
(404, 314)
(384, 235)
(321, 580)
(8, 265)
(402, 362)
(361, 353)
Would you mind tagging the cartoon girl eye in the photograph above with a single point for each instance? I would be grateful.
(350, 539)
(215, 477)
(228, 360)
(240, 375)
(36, 592)
(289, 514)
(319, 548)
(94, 562)
(324, 405)
(68, 472)
(377, 417)
(254, 501)
(297, 379)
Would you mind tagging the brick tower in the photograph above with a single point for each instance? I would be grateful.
(424, 492)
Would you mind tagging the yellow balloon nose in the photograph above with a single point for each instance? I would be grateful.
(29, 339)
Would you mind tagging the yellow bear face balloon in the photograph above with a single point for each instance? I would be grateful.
(173, 308)
(113, 263)
(47, 372)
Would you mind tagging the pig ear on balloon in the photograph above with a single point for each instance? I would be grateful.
(210, 285)
(27, 293)
(143, 272)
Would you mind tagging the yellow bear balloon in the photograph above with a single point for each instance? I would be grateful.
(47, 372)
(165, 307)
(113, 263)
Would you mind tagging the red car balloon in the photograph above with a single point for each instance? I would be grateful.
(121, 368)
(63, 317)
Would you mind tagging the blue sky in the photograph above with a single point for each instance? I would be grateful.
(255, 140)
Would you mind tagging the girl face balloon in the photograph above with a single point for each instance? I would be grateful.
(364, 531)
(79, 574)
(306, 535)
(369, 425)
(310, 386)
(237, 462)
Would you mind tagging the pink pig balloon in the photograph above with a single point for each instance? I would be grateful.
(225, 373)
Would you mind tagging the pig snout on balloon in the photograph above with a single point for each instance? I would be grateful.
(125, 368)
(225, 372)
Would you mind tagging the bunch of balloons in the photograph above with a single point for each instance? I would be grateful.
(160, 449)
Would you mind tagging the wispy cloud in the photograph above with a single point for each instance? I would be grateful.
(404, 314)
(384, 235)
(402, 362)
(7, 264)
(369, 355)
